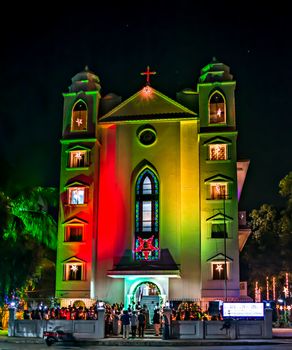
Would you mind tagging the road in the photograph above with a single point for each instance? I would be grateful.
(59, 346)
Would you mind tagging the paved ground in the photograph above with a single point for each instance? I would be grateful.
(280, 336)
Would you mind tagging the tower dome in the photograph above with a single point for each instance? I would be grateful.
(215, 71)
(85, 81)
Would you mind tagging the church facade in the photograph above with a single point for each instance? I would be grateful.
(149, 191)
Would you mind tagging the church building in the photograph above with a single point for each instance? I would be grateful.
(149, 191)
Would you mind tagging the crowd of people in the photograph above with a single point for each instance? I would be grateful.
(63, 313)
(132, 320)
(190, 311)
(119, 320)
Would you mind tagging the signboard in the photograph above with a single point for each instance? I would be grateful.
(243, 309)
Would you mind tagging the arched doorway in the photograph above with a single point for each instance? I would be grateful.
(147, 295)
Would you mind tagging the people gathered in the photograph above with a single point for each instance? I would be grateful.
(120, 320)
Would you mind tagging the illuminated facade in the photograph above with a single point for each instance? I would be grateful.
(149, 191)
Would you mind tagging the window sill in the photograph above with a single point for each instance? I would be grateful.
(216, 161)
(74, 280)
(227, 200)
(77, 168)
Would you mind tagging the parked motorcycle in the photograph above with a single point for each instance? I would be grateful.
(57, 335)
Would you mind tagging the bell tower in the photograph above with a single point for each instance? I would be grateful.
(218, 182)
(78, 183)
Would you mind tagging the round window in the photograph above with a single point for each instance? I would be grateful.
(147, 135)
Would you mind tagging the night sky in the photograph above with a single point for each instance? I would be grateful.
(43, 48)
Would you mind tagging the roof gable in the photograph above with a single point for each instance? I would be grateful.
(218, 140)
(219, 217)
(219, 258)
(219, 178)
(147, 103)
(75, 221)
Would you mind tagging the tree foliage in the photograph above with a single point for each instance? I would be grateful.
(286, 222)
(268, 251)
(28, 239)
(258, 257)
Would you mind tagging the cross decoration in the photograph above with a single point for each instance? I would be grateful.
(148, 73)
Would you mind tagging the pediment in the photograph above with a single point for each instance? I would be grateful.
(219, 178)
(73, 260)
(76, 184)
(219, 258)
(218, 140)
(78, 148)
(147, 104)
(75, 221)
(219, 217)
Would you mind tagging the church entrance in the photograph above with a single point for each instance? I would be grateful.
(147, 295)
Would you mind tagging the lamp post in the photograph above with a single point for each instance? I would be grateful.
(225, 258)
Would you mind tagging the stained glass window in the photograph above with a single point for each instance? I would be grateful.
(147, 217)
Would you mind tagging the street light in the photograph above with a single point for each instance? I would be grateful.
(223, 195)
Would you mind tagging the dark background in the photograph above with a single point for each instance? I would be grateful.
(44, 46)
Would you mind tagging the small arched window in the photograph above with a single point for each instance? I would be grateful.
(146, 216)
(217, 110)
(79, 116)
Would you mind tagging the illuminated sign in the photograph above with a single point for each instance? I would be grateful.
(243, 310)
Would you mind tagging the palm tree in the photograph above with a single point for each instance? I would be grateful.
(28, 236)
(30, 213)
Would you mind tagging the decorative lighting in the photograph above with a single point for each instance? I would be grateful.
(78, 155)
(74, 268)
(100, 305)
(286, 285)
(219, 112)
(148, 73)
(79, 121)
(219, 268)
(147, 89)
(146, 246)
(268, 288)
(257, 293)
(217, 187)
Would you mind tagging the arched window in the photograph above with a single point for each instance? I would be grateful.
(217, 113)
(79, 116)
(147, 216)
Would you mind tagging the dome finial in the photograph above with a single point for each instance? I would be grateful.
(86, 68)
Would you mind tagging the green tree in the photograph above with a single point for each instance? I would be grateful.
(268, 250)
(286, 222)
(261, 255)
(28, 239)
(31, 214)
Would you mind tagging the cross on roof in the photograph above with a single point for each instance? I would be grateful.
(148, 73)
